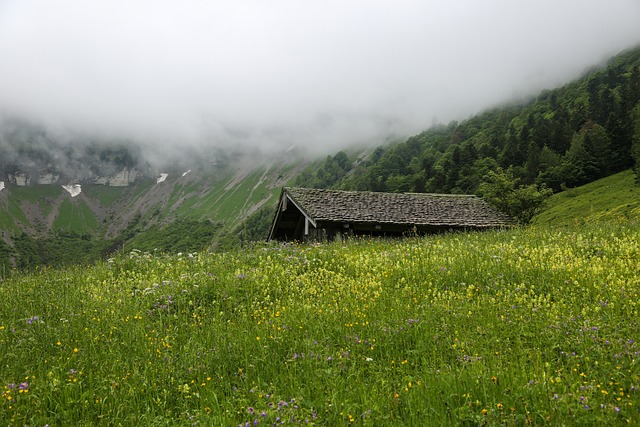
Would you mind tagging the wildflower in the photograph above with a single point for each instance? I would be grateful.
(499, 405)
(32, 319)
(484, 412)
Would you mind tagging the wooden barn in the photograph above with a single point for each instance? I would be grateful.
(310, 214)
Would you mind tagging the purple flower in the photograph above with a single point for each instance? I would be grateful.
(23, 386)
(617, 409)
(250, 410)
(255, 422)
(32, 319)
(263, 414)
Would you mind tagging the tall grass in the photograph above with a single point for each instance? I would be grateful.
(535, 326)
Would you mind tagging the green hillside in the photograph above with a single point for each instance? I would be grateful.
(533, 326)
(185, 212)
(75, 216)
(613, 198)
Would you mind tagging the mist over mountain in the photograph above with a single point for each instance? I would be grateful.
(321, 76)
(103, 195)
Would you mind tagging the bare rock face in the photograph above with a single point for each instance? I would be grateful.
(48, 178)
(21, 179)
(120, 179)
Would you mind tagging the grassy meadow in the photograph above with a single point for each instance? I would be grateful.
(532, 326)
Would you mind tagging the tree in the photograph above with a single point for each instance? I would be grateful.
(589, 156)
(635, 147)
(506, 192)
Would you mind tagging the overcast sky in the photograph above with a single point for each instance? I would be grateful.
(282, 72)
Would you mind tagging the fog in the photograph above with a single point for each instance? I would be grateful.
(317, 74)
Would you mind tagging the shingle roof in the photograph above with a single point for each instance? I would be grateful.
(397, 208)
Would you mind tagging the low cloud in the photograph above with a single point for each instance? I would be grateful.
(319, 75)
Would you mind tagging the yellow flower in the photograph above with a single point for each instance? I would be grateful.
(75, 350)
(484, 412)
(499, 405)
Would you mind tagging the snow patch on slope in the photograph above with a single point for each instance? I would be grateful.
(162, 178)
(1, 185)
(186, 172)
(74, 189)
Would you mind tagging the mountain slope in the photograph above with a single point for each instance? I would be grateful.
(216, 200)
(614, 198)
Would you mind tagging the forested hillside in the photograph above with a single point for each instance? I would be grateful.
(566, 137)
